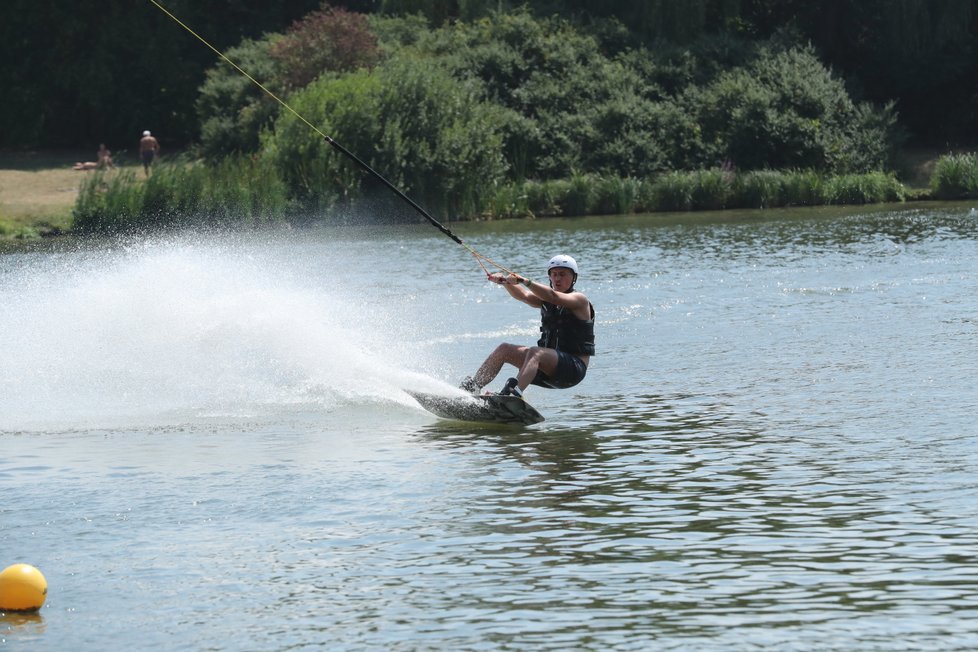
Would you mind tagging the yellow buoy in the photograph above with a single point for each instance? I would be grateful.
(22, 588)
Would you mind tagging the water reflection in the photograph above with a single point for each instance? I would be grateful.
(670, 513)
(735, 236)
(21, 626)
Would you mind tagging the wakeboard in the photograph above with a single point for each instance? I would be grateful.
(487, 408)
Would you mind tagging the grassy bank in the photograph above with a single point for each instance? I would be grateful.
(41, 195)
(38, 191)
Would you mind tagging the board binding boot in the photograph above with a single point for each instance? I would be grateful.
(511, 389)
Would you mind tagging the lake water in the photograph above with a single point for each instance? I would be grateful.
(206, 445)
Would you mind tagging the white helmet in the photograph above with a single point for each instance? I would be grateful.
(146, 133)
(562, 260)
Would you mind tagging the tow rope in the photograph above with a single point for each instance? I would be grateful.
(338, 147)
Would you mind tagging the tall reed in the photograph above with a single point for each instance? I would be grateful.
(107, 202)
(955, 176)
(614, 195)
(759, 189)
(246, 191)
(237, 191)
(712, 189)
(869, 188)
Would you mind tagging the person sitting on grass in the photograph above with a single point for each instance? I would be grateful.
(103, 162)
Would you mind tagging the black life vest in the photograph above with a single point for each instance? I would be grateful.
(561, 330)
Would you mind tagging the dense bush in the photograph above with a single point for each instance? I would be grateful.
(784, 110)
(231, 109)
(568, 105)
(327, 40)
(62, 83)
(571, 105)
(424, 131)
(516, 115)
(396, 32)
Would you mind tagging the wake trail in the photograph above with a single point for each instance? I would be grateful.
(177, 330)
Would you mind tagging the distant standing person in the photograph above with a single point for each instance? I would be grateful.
(149, 149)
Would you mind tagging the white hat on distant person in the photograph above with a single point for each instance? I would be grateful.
(146, 133)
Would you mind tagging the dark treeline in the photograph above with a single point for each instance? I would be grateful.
(78, 73)
(75, 73)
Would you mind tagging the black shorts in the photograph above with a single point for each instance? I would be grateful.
(570, 371)
(148, 156)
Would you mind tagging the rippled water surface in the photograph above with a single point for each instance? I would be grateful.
(206, 443)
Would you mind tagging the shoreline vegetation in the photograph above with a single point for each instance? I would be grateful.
(510, 114)
(36, 201)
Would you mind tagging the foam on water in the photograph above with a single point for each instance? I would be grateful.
(187, 329)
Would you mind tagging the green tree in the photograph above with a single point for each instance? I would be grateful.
(786, 110)
(82, 73)
(232, 110)
(436, 11)
(567, 105)
(326, 40)
(923, 54)
(424, 131)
